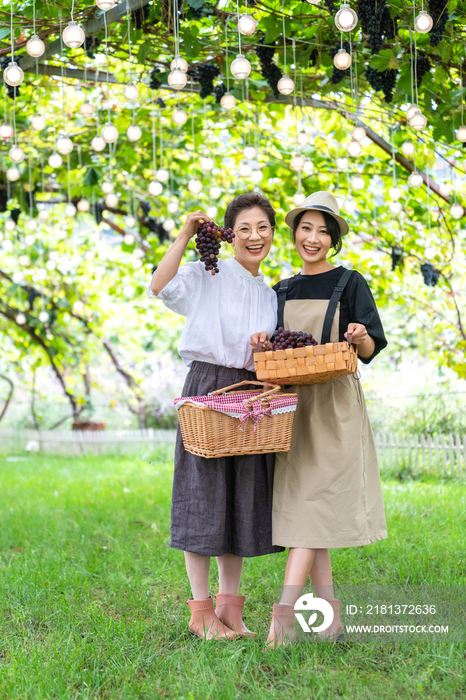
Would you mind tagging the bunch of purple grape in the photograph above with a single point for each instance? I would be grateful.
(208, 241)
(282, 339)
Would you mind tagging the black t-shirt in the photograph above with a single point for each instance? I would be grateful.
(357, 304)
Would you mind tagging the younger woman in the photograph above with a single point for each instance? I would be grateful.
(327, 491)
(221, 507)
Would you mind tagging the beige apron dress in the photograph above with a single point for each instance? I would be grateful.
(327, 491)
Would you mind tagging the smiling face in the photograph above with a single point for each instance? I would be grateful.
(252, 250)
(312, 238)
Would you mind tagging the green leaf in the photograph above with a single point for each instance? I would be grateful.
(92, 177)
(4, 32)
(144, 50)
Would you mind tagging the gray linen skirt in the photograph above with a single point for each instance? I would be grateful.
(221, 505)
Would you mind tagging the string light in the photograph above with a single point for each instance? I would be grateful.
(423, 22)
(354, 148)
(249, 152)
(195, 186)
(70, 210)
(285, 85)
(357, 182)
(215, 192)
(172, 207)
(86, 110)
(415, 179)
(134, 132)
(358, 133)
(228, 102)
(342, 60)
(180, 63)
(241, 68)
(16, 154)
(55, 160)
(297, 162)
(131, 92)
(105, 5)
(180, 117)
(346, 18)
(298, 198)
(38, 122)
(395, 208)
(6, 131)
(177, 78)
(13, 74)
(456, 210)
(98, 144)
(247, 25)
(407, 148)
(64, 145)
(111, 200)
(35, 47)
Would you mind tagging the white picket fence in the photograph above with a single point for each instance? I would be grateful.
(444, 454)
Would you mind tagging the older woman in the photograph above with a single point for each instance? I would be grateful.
(221, 507)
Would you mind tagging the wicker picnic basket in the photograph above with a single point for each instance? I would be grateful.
(227, 423)
(313, 364)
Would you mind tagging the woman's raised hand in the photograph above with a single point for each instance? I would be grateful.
(260, 341)
(192, 223)
(356, 333)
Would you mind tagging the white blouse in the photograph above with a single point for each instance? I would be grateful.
(222, 312)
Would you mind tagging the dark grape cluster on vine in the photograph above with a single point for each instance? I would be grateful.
(140, 16)
(154, 82)
(313, 58)
(383, 81)
(205, 74)
(11, 91)
(98, 211)
(282, 339)
(15, 214)
(338, 75)
(331, 6)
(270, 71)
(3, 196)
(396, 255)
(423, 66)
(209, 238)
(91, 45)
(439, 13)
(376, 22)
(219, 92)
(430, 274)
(199, 8)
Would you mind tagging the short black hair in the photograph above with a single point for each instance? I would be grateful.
(248, 200)
(332, 225)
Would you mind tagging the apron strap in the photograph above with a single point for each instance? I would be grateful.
(332, 306)
(282, 292)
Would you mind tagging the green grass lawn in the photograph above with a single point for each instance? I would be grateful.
(92, 598)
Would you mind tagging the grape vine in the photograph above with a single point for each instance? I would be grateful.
(396, 255)
(270, 71)
(423, 66)
(439, 13)
(376, 22)
(384, 81)
(204, 74)
(430, 274)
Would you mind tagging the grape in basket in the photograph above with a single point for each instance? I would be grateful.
(282, 339)
(209, 238)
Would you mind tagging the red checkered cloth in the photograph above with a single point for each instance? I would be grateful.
(236, 405)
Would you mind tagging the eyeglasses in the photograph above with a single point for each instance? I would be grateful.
(244, 232)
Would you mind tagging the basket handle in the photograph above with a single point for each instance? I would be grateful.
(247, 381)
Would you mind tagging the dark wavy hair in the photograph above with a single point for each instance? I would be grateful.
(248, 201)
(332, 225)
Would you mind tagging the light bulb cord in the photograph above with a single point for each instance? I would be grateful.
(72, 10)
(34, 17)
(239, 33)
(192, 131)
(129, 34)
(62, 75)
(68, 177)
(106, 56)
(154, 152)
(284, 34)
(161, 139)
(461, 89)
(12, 34)
(412, 65)
(226, 54)
(30, 186)
(415, 64)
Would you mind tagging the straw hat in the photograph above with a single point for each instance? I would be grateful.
(319, 201)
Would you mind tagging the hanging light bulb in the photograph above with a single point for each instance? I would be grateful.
(418, 121)
(109, 132)
(408, 148)
(247, 25)
(73, 35)
(105, 4)
(70, 210)
(177, 79)
(38, 122)
(10, 225)
(98, 144)
(349, 206)
(83, 205)
(249, 152)
(64, 145)
(172, 207)
(357, 182)
(111, 200)
(257, 176)
(43, 214)
(131, 92)
(461, 134)
(446, 188)
(411, 111)
(394, 192)
(24, 260)
(456, 210)
(168, 224)
(155, 188)
(180, 117)
(285, 85)
(13, 174)
(241, 68)
(245, 170)
(212, 212)
(308, 167)
(13, 74)
(30, 239)
(162, 175)
(35, 46)
(342, 59)
(303, 138)
(423, 22)
(346, 18)
(297, 162)
(228, 101)
(55, 160)
(195, 186)
(358, 133)
(395, 208)
(415, 180)
(179, 62)
(207, 163)
(128, 239)
(6, 131)
(313, 2)
(215, 192)
(298, 198)
(21, 319)
(43, 317)
(134, 132)
(31, 225)
(86, 110)
(107, 187)
(16, 154)
(354, 148)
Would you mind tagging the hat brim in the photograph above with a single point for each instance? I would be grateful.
(291, 216)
